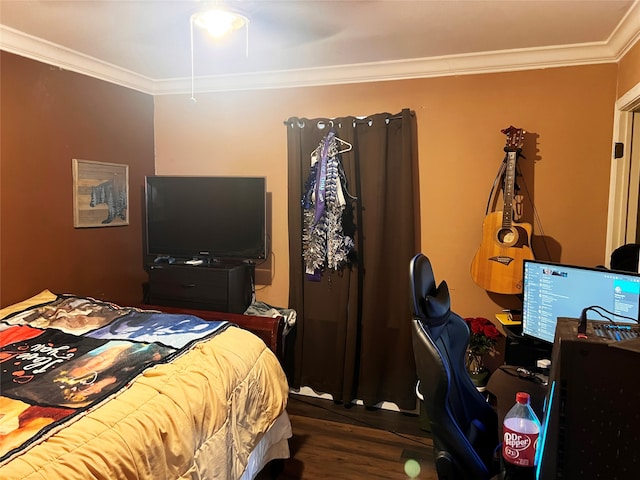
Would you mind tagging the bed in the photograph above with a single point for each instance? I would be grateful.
(95, 390)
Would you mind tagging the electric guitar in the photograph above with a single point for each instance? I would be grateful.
(498, 264)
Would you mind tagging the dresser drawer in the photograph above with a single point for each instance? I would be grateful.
(189, 283)
(223, 289)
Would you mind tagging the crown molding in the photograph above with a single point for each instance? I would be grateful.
(489, 62)
(627, 33)
(610, 51)
(25, 45)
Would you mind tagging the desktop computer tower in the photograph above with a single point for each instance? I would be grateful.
(591, 420)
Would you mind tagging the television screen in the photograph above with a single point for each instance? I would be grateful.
(211, 217)
(554, 290)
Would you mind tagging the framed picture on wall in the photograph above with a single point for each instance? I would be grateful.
(100, 194)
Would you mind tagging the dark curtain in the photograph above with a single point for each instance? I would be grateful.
(353, 337)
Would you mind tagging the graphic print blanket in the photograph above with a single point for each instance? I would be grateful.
(62, 358)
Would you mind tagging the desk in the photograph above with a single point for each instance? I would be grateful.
(506, 321)
(504, 383)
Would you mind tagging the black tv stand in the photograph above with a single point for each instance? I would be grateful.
(217, 286)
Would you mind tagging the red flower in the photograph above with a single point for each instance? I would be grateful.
(491, 331)
(483, 335)
(477, 325)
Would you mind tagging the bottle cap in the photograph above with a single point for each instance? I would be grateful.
(522, 397)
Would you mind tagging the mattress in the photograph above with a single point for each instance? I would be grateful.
(214, 411)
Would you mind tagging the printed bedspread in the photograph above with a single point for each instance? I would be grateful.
(91, 389)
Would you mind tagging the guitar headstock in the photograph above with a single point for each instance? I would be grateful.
(515, 138)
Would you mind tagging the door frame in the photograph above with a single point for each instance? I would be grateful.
(625, 176)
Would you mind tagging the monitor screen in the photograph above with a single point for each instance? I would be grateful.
(213, 217)
(554, 290)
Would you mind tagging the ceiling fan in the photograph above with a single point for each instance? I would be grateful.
(299, 22)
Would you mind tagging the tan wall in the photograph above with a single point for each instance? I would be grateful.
(49, 117)
(568, 112)
(629, 70)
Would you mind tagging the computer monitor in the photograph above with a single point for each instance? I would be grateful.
(553, 290)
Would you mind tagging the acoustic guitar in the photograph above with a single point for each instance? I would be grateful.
(498, 264)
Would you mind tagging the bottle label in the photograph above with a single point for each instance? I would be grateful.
(519, 448)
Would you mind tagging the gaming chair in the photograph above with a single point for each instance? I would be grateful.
(464, 426)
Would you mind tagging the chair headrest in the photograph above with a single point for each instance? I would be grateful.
(436, 307)
(625, 258)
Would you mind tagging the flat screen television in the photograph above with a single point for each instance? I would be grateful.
(553, 290)
(212, 218)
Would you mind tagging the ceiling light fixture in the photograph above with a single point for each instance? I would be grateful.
(218, 21)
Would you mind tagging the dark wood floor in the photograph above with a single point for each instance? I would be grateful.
(340, 443)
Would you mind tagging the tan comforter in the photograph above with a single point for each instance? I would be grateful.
(198, 417)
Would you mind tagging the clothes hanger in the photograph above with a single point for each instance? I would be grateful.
(346, 146)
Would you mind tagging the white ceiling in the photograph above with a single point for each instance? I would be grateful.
(145, 44)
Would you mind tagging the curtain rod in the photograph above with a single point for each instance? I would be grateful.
(356, 120)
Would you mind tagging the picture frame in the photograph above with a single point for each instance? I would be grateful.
(100, 194)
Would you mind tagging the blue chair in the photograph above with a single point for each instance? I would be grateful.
(463, 425)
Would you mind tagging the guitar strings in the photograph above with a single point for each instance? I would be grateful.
(536, 216)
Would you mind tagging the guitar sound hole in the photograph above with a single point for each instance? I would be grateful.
(507, 236)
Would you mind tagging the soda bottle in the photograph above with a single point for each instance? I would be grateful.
(520, 431)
